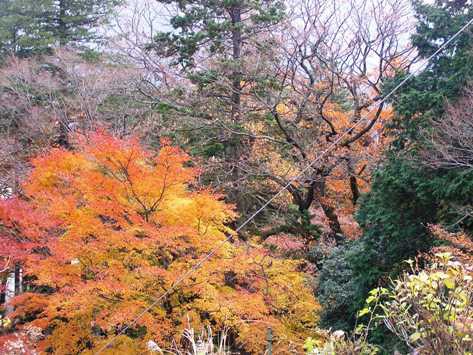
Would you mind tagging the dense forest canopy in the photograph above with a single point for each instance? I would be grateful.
(236, 176)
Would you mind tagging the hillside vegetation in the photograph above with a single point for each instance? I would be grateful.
(236, 177)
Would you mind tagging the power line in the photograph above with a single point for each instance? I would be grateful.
(268, 202)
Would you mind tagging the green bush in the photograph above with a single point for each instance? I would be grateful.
(337, 288)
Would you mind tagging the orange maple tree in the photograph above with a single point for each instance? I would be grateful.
(339, 172)
(111, 226)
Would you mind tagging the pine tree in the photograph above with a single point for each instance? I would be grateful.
(75, 21)
(223, 37)
(21, 23)
(32, 26)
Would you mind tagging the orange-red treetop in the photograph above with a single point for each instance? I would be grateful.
(111, 226)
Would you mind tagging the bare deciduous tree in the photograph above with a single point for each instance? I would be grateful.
(334, 59)
(450, 140)
(42, 100)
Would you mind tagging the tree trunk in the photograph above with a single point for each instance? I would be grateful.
(62, 28)
(18, 279)
(236, 56)
(355, 191)
(235, 149)
(334, 224)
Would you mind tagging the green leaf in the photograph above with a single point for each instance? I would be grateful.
(414, 337)
(449, 283)
(360, 328)
(310, 344)
(363, 312)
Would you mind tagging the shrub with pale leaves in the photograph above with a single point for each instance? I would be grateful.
(430, 310)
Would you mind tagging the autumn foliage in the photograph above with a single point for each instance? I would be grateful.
(108, 226)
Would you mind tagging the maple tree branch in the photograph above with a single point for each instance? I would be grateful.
(6, 267)
(287, 135)
(161, 196)
(124, 169)
(366, 129)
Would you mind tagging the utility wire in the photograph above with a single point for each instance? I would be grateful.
(268, 202)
